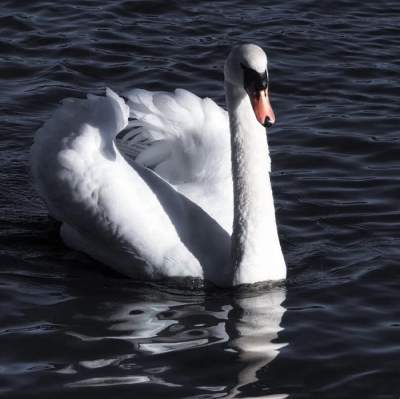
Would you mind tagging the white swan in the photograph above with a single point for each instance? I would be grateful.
(150, 227)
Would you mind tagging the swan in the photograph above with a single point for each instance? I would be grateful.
(204, 210)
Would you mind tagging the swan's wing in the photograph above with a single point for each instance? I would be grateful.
(65, 148)
(186, 141)
(120, 213)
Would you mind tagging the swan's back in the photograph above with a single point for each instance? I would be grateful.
(119, 212)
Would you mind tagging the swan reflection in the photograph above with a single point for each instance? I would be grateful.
(255, 324)
(218, 342)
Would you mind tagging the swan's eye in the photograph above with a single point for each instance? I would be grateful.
(254, 80)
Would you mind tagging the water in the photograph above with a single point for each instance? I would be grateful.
(72, 328)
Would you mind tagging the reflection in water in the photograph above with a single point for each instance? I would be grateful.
(255, 324)
(242, 324)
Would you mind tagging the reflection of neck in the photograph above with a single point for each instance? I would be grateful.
(256, 253)
(256, 323)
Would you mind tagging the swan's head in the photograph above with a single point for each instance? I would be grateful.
(246, 68)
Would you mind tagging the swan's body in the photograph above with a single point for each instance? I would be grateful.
(150, 227)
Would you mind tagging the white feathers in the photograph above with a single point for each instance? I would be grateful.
(191, 135)
(186, 141)
(117, 211)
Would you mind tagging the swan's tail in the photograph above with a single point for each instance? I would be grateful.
(64, 146)
(174, 133)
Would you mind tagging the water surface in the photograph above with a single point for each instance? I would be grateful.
(72, 328)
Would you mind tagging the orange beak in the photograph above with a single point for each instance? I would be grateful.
(262, 108)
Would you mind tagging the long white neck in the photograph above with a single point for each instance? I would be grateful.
(256, 253)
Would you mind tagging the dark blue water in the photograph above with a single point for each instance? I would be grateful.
(72, 328)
